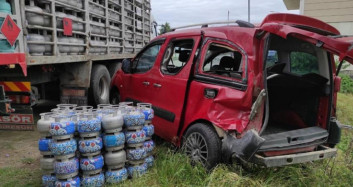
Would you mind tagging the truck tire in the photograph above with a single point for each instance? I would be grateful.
(114, 67)
(100, 84)
(202, 144)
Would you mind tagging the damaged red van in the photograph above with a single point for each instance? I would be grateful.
(264, 94)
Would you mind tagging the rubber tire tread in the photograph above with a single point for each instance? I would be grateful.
(114, 93)
(213, 142)
(98, 72)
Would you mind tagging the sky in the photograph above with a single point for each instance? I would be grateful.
(186, 12)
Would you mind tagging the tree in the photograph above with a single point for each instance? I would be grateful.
(165, 28)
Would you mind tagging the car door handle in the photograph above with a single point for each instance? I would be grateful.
(146, 83)
(157, 85)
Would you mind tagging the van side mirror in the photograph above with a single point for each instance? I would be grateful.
(337, 84)
(126, 66)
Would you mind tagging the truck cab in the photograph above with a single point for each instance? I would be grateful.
(264, 94)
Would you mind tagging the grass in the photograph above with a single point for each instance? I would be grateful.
(345, 108)
(27, 160)
(173, 169)
(10, 177)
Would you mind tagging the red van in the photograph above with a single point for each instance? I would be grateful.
(264, 94)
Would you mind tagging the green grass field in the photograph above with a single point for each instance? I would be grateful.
(173, 169)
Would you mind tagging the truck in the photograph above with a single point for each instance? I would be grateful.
(263, 94)
(67, 49)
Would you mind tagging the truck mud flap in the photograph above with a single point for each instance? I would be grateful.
(283, 160)
(243, 148)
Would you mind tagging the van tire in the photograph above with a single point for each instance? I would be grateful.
(100, 84)
(114, 96)
(207, 148)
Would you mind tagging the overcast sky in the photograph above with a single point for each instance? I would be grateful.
(185, 12)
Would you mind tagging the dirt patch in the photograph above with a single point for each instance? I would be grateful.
(19, 149)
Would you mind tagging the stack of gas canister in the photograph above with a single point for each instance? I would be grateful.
(47, 160)
(90, 146)
(148, 128)
(63, 146)
(114, 143)
(134, 121)
(75, 139)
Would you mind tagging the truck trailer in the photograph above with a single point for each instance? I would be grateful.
(67, 49)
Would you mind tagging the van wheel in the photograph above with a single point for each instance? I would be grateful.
(100, 84)
(202, 145)
(114, 96)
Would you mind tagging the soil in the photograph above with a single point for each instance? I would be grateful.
(19, 149)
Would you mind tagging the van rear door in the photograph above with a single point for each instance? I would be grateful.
(315, 32)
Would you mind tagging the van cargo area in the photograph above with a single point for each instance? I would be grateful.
(298, 88)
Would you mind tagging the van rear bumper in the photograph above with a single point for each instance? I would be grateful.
(283, 160)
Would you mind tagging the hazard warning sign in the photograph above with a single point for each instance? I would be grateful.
(10, 30)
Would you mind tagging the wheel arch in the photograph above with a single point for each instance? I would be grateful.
(220, 132)
(113, 89)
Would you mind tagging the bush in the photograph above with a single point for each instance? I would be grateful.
(346, 84)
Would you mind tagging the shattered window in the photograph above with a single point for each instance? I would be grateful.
(176, 56)
(223, 61)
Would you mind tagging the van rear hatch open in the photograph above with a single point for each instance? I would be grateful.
(299, 88)
(300, 124)
(311, 30)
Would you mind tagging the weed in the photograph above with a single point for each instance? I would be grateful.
(27, 160)
(345, 108)
(20, 177)
(346, 84)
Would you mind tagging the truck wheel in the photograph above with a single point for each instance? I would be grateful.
(202, 145)
(114, 67)
(100, 84)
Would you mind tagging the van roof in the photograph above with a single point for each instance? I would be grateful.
(298, 21)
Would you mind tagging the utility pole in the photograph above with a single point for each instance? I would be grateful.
(228, 17)
(249, 11)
